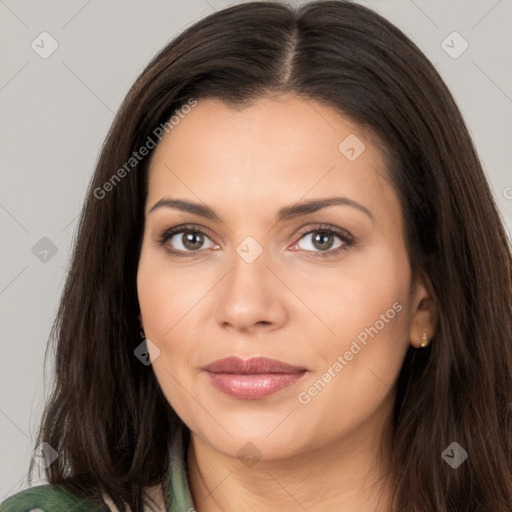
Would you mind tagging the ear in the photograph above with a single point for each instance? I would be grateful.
(424, 315)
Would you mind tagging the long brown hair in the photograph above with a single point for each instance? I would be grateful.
(107, 416)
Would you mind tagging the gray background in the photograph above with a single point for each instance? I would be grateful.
(55, 113)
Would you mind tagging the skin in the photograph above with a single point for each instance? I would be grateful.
(290, 304)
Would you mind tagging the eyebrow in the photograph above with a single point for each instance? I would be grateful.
(285, 213)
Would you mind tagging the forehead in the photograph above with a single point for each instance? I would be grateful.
(277, 150)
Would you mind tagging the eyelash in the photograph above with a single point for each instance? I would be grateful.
(347, 239)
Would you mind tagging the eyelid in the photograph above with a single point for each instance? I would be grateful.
(342, 233)
(170, 232)
(347, 239)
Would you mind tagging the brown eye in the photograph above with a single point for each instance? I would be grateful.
(324, 241)
(185, 240)
(188, 240)
(321, 240)
(192, 240)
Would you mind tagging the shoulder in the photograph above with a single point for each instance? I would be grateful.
(49, 498)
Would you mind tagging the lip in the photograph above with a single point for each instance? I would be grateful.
(252, 379)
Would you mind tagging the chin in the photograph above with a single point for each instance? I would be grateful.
(249, 437)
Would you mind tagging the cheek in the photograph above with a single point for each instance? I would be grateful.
(368, 341)
(165, 295)
(365, 296)
(368, 319)
(155, 300)
(164, 302)
(356, 369)
(171, 301)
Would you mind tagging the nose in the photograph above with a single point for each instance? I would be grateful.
(251, 297)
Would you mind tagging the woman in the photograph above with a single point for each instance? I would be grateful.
(290, 211)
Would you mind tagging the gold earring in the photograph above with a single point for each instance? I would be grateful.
(424, 340)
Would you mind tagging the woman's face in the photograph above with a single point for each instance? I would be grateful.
(250, 272)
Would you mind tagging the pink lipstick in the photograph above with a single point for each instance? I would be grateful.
(254, 378)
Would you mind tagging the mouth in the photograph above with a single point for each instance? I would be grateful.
(254, 378)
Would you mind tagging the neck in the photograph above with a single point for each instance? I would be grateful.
(344, 475)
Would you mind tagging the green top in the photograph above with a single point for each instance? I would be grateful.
(56, 498)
